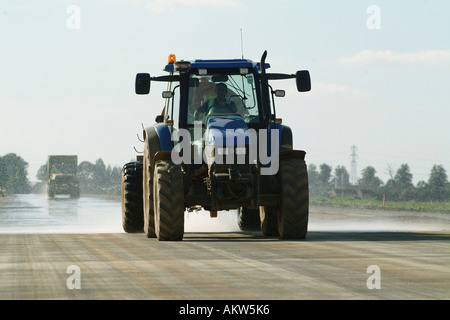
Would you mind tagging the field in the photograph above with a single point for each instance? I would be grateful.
(379, 204)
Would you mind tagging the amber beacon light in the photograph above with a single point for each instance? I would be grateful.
(171, 59)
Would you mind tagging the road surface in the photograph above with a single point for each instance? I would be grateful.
(76, 249)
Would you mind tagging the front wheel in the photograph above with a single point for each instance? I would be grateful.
(168, 197)
(147, 193)
(294, 211)
(50, 193)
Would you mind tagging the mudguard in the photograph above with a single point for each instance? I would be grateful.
(159, 139)
(285, 136)
(164, 136)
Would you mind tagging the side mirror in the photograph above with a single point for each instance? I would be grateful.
(303, 81)
(142, 85)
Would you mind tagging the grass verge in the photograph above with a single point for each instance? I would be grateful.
(378, 204)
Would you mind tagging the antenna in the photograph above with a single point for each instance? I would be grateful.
(242, 46)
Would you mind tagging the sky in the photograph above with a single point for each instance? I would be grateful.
(380, 74)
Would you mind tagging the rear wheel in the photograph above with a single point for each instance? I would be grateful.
(132, 212)
(248, 219)
(294, 210)
(168, 201)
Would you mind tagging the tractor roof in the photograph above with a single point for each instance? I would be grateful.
(219, 64)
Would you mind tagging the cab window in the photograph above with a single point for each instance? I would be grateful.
(214, 92)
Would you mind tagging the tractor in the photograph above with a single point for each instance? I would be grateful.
(218, 146)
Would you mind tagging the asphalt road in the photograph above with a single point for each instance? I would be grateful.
(348, 254)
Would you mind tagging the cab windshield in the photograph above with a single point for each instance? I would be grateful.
(222, 93)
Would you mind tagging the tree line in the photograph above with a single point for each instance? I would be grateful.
(98, 178)
(399, 187)
(95, 178)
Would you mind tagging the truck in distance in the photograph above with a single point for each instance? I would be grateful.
(62, 176)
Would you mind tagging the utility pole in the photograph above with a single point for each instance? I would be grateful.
(353, 157)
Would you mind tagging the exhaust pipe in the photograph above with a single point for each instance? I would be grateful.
(265, 89)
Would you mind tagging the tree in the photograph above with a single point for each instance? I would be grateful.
(405, 190)
(403, 177)
(115, 181)
(324, 174)
(319, 182)
(437, 183)
(100, 172)
(86, 177)
(99, 179)
(324, 179)
(3, 174)
(341, 177)
(438, 177)
(13, 174)
(369, 180)
(390, 190)
(113, 178)
(313, 179)
(390, 170)
(422, 191)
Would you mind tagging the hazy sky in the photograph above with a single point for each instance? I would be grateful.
(380, 74)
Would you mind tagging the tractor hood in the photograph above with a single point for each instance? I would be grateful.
(226, 130)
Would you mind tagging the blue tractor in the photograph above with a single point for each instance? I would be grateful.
(217, 145)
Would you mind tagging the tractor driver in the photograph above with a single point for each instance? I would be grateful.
(218, 105)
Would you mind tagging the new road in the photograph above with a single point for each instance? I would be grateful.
(76, 249)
